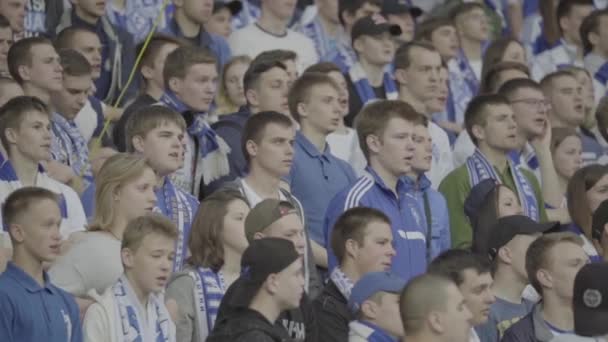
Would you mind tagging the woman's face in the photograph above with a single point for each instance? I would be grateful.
(508, 203)
(137, 197)
(514, 53)
(598, 193)
(567, 156)
(233, 234)
(234, 83)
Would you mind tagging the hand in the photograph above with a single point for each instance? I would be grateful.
(542, 142)
(60, 172)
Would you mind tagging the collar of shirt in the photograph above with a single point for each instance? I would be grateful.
(593, 62)
(421, 185)
(27, 281)
(571, 49)
(401, 185)
(310, 149)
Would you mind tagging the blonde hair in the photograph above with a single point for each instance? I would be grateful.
(117, 171)
(224, 103)
(152, 223)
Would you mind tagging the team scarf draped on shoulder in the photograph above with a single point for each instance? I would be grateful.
(209, 289)
(467, 73)
(213, 150)
(364, 88)
(70, 146)
(479, 168)
(342, 282)
(131, 324)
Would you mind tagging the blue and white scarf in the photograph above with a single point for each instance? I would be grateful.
(365, 90)
(131, 324)
(212, 159)
(479, 168)
(342, 282)
(177, 207)
(209, 289)
(467, 72)
(69, 146)
(344, 56)
(460, 93)
(137, 18)
(323, 43)
(248, 15)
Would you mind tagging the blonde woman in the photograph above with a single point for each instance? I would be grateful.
(125, 190)
(230, 94)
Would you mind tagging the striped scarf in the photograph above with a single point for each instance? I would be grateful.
(342, 282)
(209, 289)
(467, 72)
(69, 146)
(131, 324)
(479, 168)
(365, 90)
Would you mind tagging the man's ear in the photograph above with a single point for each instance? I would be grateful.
(544, 278)
(478, 132)
(252, 98)
(175, 84)
(16, 232)
(369, 309)
(252, 148)
(147, 72)
(401, 77)
(138, 143)
(127, 257)
(351, 247)
(373, 143)
(505, 255)
(24, 72)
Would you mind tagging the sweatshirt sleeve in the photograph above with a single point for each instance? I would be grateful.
(455, 188)
(181, 290)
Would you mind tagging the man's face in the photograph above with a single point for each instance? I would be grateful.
(457, 316)
(571, 23)
(38, 230)
(163, 148)
(406, 22)
(530, 108)
(282, 9)
(322, 110)
(220, 23)
(473, 25)
(70, 100)
(350, 19)
(198, 88)
(376, 252)
(88, 44)
(289, 227)
(14, 11)
(445, 40)
(289, 285)
(33, 138)
(438, 102)
(422, 76)
(565, 260)
(154, 74)
(518, 246)
(197, 11)
(567, 101)
(477, 292)
(394, 149)
(328, 9)
(338, 77)
(270, 94)
(500, 131)
(91, 8)
(423, 150)
(274, 153)
(151, 264)
(6, 41)
(45, 71)
(376, 50)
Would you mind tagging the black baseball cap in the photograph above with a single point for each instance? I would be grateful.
(590, 300)
(399, 7)
(373, 25)
(234, 6)
(506, 228)
(599, 220)
(262, 258)
(478, 197)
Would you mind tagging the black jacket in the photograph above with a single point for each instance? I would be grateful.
(332, 314)
(245, 325)
(531, 328)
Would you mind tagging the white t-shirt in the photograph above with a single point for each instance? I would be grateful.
(346, 147)
(251, 40)
(442, 163)
(253, 198)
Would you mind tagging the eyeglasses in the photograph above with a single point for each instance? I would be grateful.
(538, 104)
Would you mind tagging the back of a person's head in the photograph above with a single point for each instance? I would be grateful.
(352, 6)
(591, 25)
(74, 63)
(256, 125)
(181, 60)
(276, 55)
(492, 80)
(425, 29)
(66, 38)
(20, 54)
(13, 113)
(453, 263)
(148, 118)
(323, 67)
(352, 225)
(477, 111)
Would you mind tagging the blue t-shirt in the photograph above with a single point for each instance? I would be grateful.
(503, 315)
(32, 313)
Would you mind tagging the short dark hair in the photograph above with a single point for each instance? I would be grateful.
(300, 90)
(74, 63)
(20, 201)
(489, 83)
(465, 8)
(509, 88)
(4, 23)
(590, 24)
(424, 30)
(256, 125)
(403, 57)
(351, 225)
(276, 55)
(351, 6)
(453, 262)
(547, 83)
(145, 119)
(601, 116)
(65, 38)
(21, 54)
(256, 70)
(13, 112)
(564, 7)
(179, 62)
(323, 67)
(151, 49)
(476, 112)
